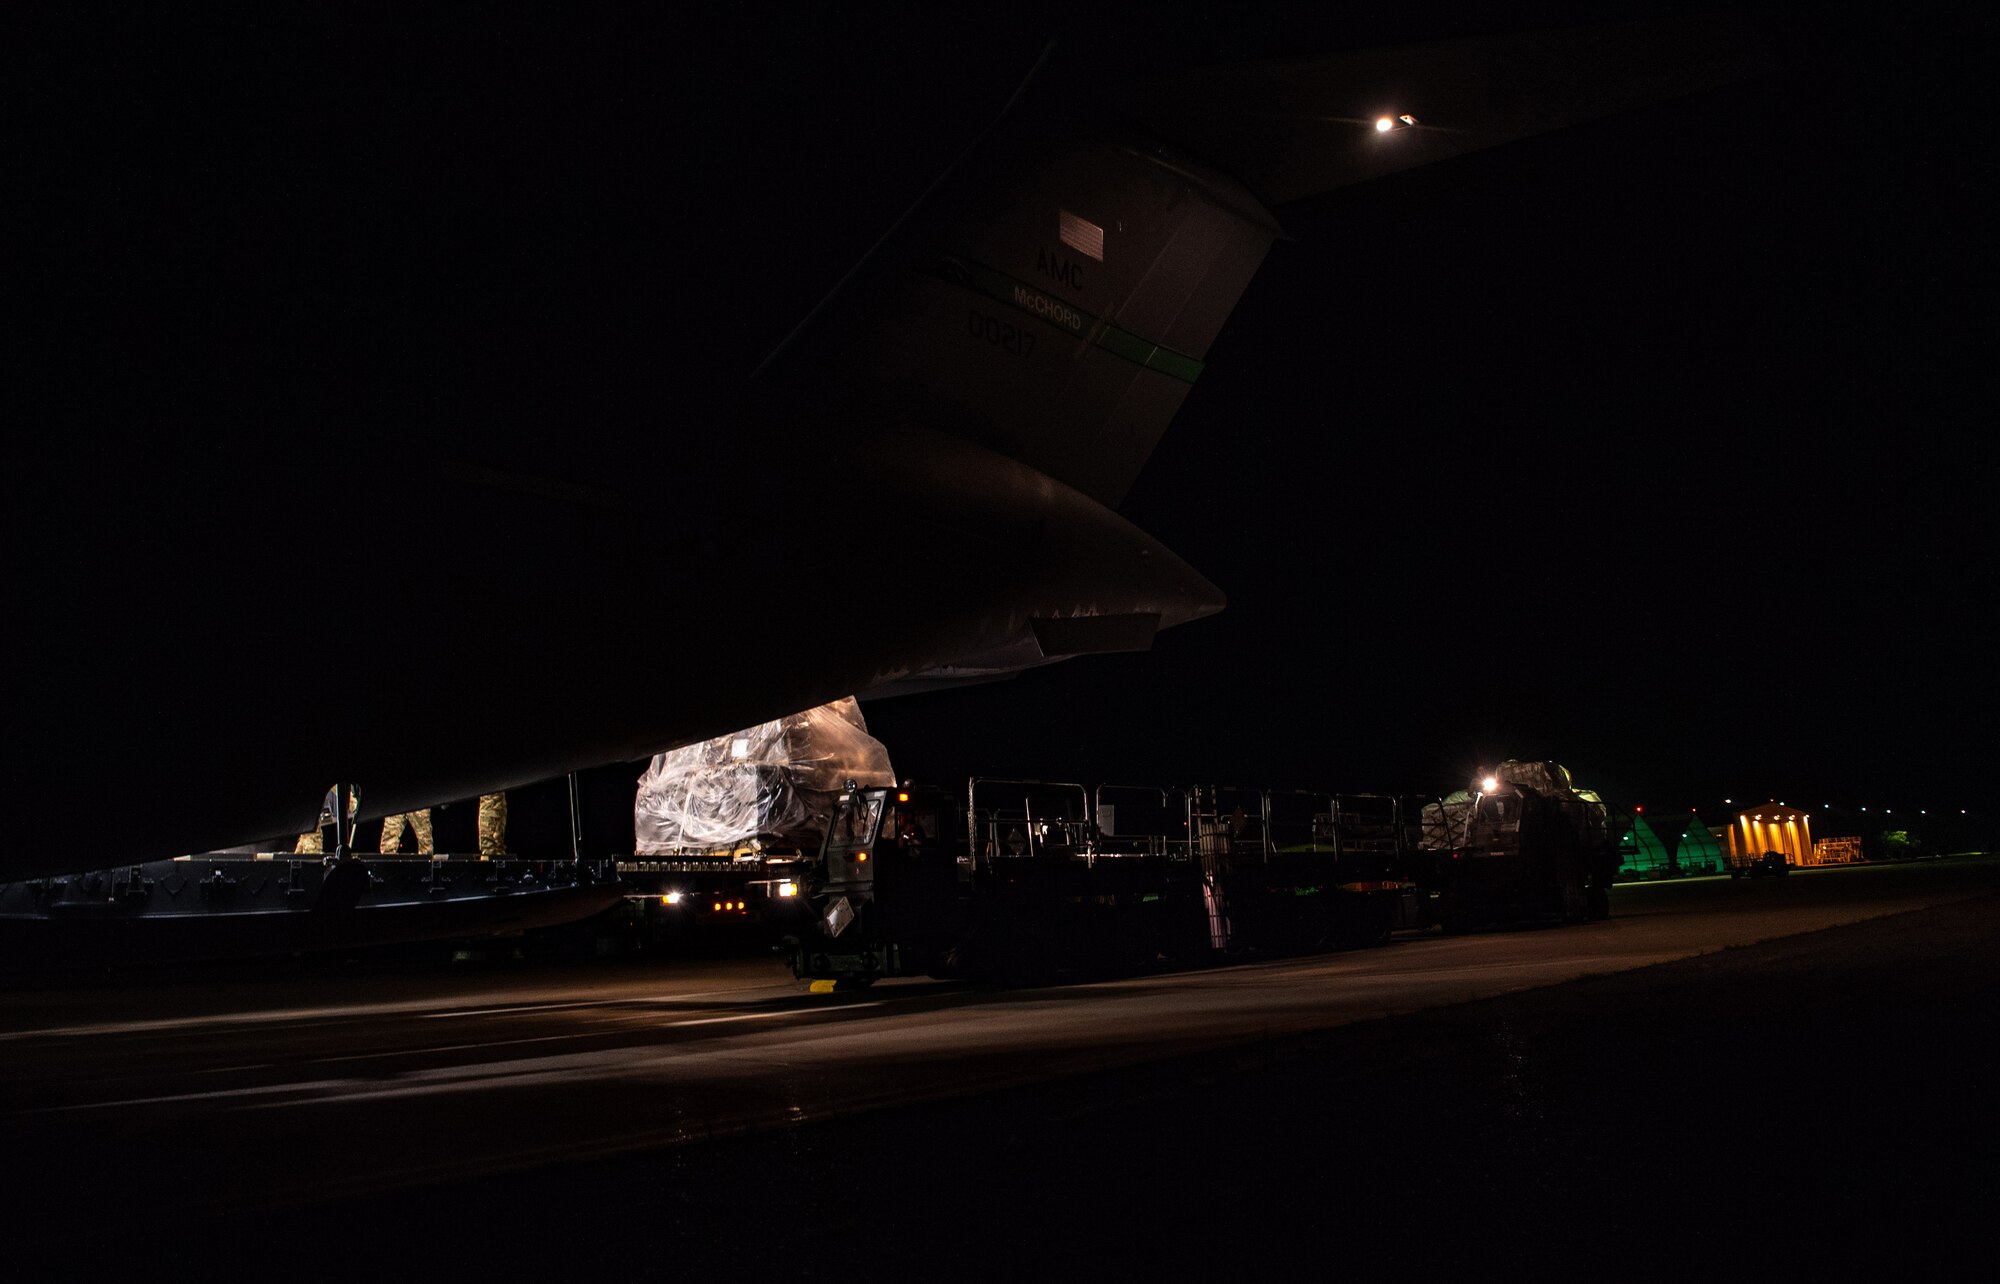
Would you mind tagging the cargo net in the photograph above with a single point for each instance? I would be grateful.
(1447, 824)
(773, 784)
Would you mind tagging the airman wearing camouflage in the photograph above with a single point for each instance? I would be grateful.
(312, 843)
(419, 822)
(492, 825)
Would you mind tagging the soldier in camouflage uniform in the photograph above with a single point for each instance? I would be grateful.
(417, 821)
(312, 843)
(492, 825)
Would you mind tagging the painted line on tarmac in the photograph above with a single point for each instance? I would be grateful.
(759, 1016)
(266, 1090)
(448, 1047)
(306, 1018)
(541, 1007)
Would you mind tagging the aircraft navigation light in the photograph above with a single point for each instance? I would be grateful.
(1384, 125)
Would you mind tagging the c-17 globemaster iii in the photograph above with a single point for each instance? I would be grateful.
(926, 477)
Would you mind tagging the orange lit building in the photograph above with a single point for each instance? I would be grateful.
(1771, 827)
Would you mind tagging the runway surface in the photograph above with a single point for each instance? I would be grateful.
(242, 1092)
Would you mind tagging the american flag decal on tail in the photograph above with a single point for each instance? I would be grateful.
(1080, 234)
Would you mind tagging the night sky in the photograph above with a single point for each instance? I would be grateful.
(1656, 447)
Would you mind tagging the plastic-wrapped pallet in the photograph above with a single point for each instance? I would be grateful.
(1447, 825)
(1548, 778)
(773, 783)
(1585, 809)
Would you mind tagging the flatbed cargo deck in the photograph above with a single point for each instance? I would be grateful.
(239, 904)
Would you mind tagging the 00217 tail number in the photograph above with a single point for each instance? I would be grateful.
(1002, 334)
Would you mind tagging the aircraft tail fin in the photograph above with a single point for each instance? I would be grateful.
(1052, 297)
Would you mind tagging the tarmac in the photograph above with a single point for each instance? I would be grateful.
(1809, 1103)
(1818, 1105)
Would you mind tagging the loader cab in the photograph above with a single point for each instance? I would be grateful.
(1496, 821)
(882, 899)
(877, 833)
(854, 837)
(889, 847)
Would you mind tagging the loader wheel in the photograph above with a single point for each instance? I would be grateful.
(975, 958)
(1313, 930)
(1027, 956)
(1009, 955)
(1129, 947)
(1362, 924)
